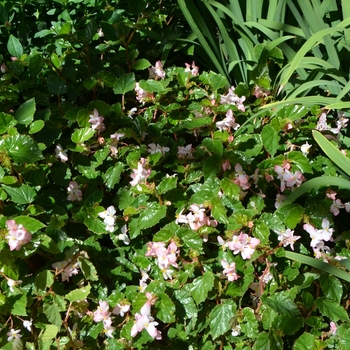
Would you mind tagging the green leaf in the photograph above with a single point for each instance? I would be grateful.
(291, 214)
(305, 342)
(331, 287)
(20, 195)
(52, 313)
(32, 225)
(82, 135)
(151, 215)
(282, 304)
(21, 148)
(201, 286)
(166, 308)
(270, 139)
(6, 121)
(25, 113)
(220, 318)
(56, 85)
(14, 47)
(331, 309)
(141, 64)
(151, 85)
(187, 303)
(190, 239)
(112, 175)
(44, 280)
(18, 304)
(78, 294)
(36, 126)
(124, 84)
(49, 333)
(88, 269)
(167, 184)
(261, 231)
(213, 146)
(218, 211)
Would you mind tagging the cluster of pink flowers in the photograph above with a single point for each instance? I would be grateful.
(228, 123)
(97, 121)
(67, 269)
(232, 99)
(185, 152)
(192, 68)
(74, 192)
(17, 235)
(319, 237)
(197, 218)
(286, 237)
(144, 320)
(140, 174)
(288, 178)
(114, 143)
(322, 125)
(141, 95)
(166, 257)
(109, 218)
(229, 270)
(103, 314)
(156, 71)
(241, 243)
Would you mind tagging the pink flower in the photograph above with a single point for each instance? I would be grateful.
(184, 152)
(157, 71)
(333, 328)
(17, 235)
(228, 123)
(192, 68)
(140, 174)
(67, 268)
(279, 199)
(317, 236)
(97, 121)
(229, 270)
(232, 98)
(141, 95)
(120, 309)
(153, 149)
(243, 244)
(102, 313)
(286, 238)
(336, 205)
(74, 192)
(226, 165)
(242, 179)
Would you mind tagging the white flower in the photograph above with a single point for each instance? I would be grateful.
(12, 283)
(123, 236)
(28, 325)
(236, 331)
(61, 153)
(305, 148)
(13, 334)
(108, 217)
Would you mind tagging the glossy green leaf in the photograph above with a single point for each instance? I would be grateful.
(44, 280)
(270, 139)
(14, 47)
(6, 121)
(36, 126)
(21, 195)
(25, 113)
(220, 318)
(166, 308)
(78, 294)
(331, 309)
(31, 224)
(124, 84)
(112, 175)
(88, 269)
(201, 286)
(81, 135)
(21, 148)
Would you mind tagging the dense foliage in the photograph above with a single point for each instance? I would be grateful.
(150, 205)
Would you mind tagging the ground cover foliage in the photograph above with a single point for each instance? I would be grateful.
(150, 205)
